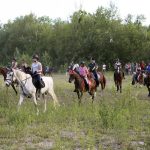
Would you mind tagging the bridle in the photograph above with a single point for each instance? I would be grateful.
(10, 80)
(22, 84)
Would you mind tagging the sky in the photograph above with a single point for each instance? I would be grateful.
(10, 9)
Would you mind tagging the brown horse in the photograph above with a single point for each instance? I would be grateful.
(4, 71)
(101, 79)
(80, 86)
(138, 78)
(118, 77)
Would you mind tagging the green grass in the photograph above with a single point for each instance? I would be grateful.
(114, 121)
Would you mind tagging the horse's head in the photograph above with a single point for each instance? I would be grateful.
(71, 75)
(9, 78)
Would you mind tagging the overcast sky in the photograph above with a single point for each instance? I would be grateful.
(10, 9)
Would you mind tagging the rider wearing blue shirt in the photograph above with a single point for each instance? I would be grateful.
(148, 68)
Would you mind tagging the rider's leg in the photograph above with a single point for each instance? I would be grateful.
(38, 77)
(87, 83)
(96, 77)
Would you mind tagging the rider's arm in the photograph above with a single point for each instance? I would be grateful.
(15, 65)
(40, 68)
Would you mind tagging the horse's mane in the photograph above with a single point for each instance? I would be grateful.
(20, 74)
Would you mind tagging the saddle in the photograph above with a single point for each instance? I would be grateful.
(38, 84)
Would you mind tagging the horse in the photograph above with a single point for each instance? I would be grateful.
(118, 77)
(147, 83)
(4, 71)
(27, 89)
(74, 67)
(80, 86)
(138, 79)
(101, 79)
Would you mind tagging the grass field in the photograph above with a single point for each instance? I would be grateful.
(114, 121)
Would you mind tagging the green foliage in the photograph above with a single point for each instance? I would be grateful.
(119, 116)
(103, 35)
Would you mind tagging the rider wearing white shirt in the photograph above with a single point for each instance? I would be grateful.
(36, 65)
(36, 69)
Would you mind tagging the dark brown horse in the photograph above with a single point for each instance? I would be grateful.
(147, 83)
(80, 86)
(118, 77)
(4, 71)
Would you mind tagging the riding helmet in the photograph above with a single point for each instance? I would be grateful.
(35, 57)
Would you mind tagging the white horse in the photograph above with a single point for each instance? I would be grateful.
(27, 89)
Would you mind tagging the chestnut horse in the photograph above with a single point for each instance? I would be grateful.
(118, 77)
(101, 79)
(80, 86)
(4, 71)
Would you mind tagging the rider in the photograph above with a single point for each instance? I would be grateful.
(118, 66)
(147, 73)
(73, 66)
(76, 68)
(138, 72)
(14, 63)
(148, 68)
(24, 65)
(36, 69)
(93, 68)
(142, 65)
(104, 67)
(83, 71)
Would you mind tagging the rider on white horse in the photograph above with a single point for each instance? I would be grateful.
(36, 69)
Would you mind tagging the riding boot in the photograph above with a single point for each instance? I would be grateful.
(97, 83)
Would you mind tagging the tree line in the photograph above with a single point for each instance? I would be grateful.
(102, 35)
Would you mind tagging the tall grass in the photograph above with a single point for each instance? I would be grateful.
(114, 121)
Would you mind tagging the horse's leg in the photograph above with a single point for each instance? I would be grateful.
(45, 101)
(93, 96)
(78, 93)
(80, 96)
(102, 88)
(102, 85)
(35, 103)
(20, 101)
(148, 87)
(120, 87)
(52, 93)
(117, 87)
(45, 107)
(14, 88)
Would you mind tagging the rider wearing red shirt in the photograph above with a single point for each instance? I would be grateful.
(142, 65)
